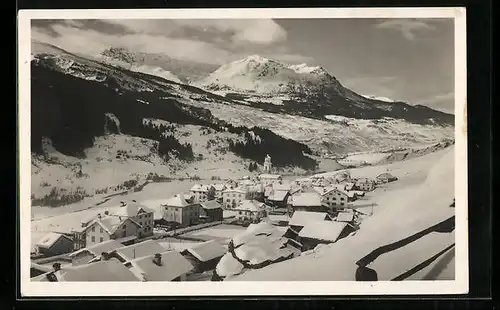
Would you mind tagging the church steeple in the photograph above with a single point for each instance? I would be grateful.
(267, 164)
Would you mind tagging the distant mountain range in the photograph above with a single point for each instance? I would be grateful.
(248, 93)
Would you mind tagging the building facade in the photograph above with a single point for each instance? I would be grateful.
(232, 197)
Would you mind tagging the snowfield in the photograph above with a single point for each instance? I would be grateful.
(427, 202)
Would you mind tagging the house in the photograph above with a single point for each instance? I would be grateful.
(266, 179)
(204, 256)
(108, 227)
(385, 178)
(300, 219)
(307, 201)
(324, 232)
(278, 198)
(333, 197)
(138, 213)
(232, 197)
(54, 244)
(202, 192)
(365, 184)
(111, 270)
(137, 250)
(250, 210)
(219, 189)
(85, 255)
(346, 216)
(178, 209)
(211, 211)
(160, 267)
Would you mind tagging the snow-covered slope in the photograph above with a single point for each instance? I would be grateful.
(428, 196)
(378, 98)
(335, 135)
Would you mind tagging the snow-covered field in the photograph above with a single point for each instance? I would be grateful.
(420, 199)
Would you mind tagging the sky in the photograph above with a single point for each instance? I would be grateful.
(403, 59)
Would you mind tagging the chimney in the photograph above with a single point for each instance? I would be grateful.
(98, 215)
(157, 259)
(123, 203)
(133, 200)
(104, 256)
(56, 266)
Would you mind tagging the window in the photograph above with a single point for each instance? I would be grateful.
(102, 230)
(92, 238)
(124, 227)
(101, 239)
(342, 199)
(93, 228)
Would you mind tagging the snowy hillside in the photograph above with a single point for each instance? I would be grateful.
(427, 203)
(335, 135)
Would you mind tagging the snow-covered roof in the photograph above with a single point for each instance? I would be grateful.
(269, 176)
(131, 209)
(236, 190)
(201, 188)
(211, 204)
(251, 205)
(302, 218)
(111, 223)
(228, 266)
(140, 249)
(323, 190)
(109, 270)
(50, 239)
(345, 217)
(306, 200)
(156, 206)
(99, 248)
(178, 200)
(219, 187)
(207, 250)
(172, 266)
(261, 242)
(282, 186)
(278, 195)
(323, 230)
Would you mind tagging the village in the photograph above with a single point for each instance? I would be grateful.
(212, 232)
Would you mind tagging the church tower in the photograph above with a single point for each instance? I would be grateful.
(267, 164)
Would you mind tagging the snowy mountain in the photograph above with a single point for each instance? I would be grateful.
(307, 91)
(378, 98)
(176, 70)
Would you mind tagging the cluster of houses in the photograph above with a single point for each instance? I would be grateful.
(145, 261)
(313, 211)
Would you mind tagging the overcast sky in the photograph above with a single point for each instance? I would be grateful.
(402, 59)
